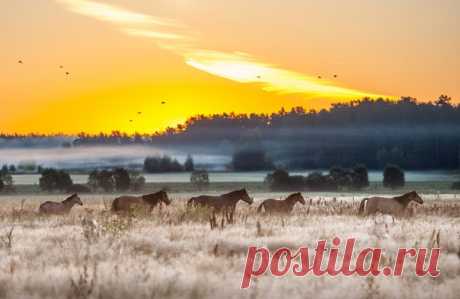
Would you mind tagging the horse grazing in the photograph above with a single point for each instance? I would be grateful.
(149, 201)
(394, 205)
(284, 206)
(225, 203)
(59, 208)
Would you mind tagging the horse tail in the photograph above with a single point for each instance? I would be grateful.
(361, 206)
(190, 201)
(259, 209)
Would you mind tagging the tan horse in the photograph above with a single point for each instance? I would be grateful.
(284, 206)
(394, 205)
(60, 208)
(225, 203)
(148, 201)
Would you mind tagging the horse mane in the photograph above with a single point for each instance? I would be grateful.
(234, 192)
(68, 199)
(404, 199)
(291, 196)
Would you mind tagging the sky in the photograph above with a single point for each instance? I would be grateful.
(69, 66)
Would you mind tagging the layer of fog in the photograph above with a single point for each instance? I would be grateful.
(102, 156)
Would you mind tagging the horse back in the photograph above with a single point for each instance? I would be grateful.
(384, 205)
(51, 207)
(124, 203)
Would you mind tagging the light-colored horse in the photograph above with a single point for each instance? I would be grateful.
(284, 206)
(394, 205)
(148, 201)
(60, 208)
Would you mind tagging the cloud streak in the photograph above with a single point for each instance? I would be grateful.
(240, 67)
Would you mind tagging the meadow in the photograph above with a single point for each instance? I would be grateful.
(174, 252)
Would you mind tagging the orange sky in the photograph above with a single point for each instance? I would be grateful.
(206, 56)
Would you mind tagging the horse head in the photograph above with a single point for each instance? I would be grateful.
(299, 198)
(74, 199)
(162, 196)
(415, 197)
(244, 196)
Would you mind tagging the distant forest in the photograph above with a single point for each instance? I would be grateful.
(414, 135)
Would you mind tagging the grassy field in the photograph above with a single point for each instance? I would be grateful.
(174, 253)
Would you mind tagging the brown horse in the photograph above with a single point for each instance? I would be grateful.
(149, 201)
(394, 205)
(225, 203)
(281, 206)
(60, 208)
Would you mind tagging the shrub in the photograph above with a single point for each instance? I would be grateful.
(251, 160)
(189, 165)
(200, 178)
(118, 179)
(101, 180)
(361, 177)
(162, 164)
(456, 186)
(121, 179)
(52, 179)
(393, 177)
(137, 181)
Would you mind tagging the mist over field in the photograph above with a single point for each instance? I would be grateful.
(101, 156)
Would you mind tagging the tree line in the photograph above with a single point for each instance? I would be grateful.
(338, 179)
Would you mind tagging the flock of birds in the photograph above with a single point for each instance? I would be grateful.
(67, 73)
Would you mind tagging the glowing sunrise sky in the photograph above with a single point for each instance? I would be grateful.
(211, 56)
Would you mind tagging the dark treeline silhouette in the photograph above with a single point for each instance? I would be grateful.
(411, 134)
(338, 178)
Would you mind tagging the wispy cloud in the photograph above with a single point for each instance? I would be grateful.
(241, 67)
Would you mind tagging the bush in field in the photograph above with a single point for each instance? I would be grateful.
(281, 180)
(200, 178)
(52, 179)
(122, 179)
(189, 165)
(251, 160)
(456, 186)
(6, 180)
(118, 179)
(318, 182)
(356, 178)
(393, 177)
(338, 178)
(361, 177)
(137, 181)
(162, 164)
(101, 180)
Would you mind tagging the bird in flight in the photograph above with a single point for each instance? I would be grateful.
(335, 75)
(67, 73)
(139, 112)
(163, 102)
(61, 66)
(319, 77)
(130, 120)
(258, 77)
(20, 61)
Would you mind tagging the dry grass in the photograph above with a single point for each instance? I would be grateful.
(175, 252)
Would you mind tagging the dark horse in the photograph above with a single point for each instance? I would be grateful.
(60, 208)
(394, 205)
(225, 203)
(148, 201)
(284, 206)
